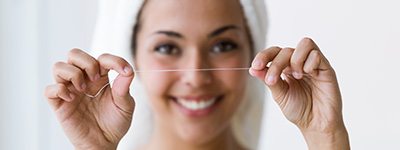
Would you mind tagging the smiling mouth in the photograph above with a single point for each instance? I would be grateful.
(197, 104)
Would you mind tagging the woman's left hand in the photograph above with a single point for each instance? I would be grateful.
(307, 93)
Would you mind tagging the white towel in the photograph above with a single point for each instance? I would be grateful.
(113, 31)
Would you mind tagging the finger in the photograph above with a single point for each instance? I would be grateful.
(280, 62)
(288, 70)
(108, 61)
(264, 57)
(120, 88)
(121, 94)
(259, 74)
(316, 62)
(259, 64)
(64, 73)
(85, 62)
(277, 84)
(58, 91)
(305, 46)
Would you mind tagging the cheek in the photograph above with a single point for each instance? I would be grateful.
(234, 83)
(156, 84)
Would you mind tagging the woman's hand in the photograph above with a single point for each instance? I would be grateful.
(307, 93)
(92, 123)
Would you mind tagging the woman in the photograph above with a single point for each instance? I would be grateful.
(194, 109)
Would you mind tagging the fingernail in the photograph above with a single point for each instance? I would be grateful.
(256, 64)
(83, 86)
(270, 80)
(251, 72)
(297, 75)
(127, 69)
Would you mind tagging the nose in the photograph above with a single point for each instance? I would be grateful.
(195, 78)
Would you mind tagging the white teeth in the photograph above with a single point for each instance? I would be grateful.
(196, 105)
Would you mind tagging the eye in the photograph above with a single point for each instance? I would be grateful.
(166, 49)
(224, 46)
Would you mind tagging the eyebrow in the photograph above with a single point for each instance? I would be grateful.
(212, 34)
(222, 30)
(170, 33)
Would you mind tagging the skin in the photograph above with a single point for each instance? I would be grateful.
(188, 48)
(308, 96)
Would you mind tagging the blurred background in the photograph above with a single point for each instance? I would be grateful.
(359, 37)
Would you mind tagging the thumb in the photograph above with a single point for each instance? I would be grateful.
(120, 91)
(278, 88)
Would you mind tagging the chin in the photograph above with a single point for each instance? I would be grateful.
(200, 133)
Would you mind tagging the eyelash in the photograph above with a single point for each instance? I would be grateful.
(227, 46)
(165, 49)
(172, 49)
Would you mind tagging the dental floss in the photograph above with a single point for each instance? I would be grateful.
(171, 70)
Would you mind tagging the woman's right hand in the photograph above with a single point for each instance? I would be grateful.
(92, 123)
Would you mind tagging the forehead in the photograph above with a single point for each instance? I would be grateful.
(190, 15)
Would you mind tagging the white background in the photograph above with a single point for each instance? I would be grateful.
(360, 38)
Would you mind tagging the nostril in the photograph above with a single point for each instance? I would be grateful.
(197, 78)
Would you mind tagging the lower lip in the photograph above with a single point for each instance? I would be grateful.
(197, 113)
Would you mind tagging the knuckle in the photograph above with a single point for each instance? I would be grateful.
(287, 50)
(92, 65)
(274, 47)
(307, 41)
(119, 61)
(104, 55)
(295, 62)
(275, 66)
(316, 54)
(61, 87)
(265, 53)
(111, 59)
(273, 70)
(93, 68)
(260, 54)
(77, 76)
(58, 65)
(74, 51)
(261, 57)
(47, 91)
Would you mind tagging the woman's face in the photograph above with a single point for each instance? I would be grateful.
(195, 106)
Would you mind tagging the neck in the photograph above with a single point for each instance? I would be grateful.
(164, 138)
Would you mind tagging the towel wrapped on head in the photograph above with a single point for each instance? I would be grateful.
(113, 34)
